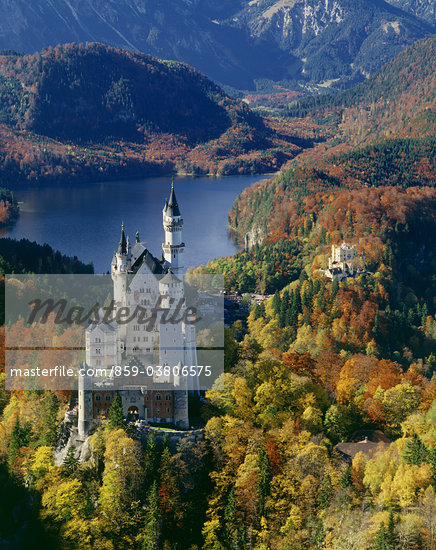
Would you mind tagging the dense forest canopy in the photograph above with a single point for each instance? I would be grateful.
(93, 111)
(324, 435)
(381, 133)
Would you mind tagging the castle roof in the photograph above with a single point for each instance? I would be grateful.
(103, 327)
(335, 270)
(144, 256)
(122, 247)
(169, 278)
(171, 207)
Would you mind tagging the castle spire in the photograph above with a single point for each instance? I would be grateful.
(122, 247)
(172, 207)
(173, 247)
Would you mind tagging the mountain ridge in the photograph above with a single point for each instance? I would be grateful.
(232, 43)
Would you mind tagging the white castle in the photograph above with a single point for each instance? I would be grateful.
(140, 279)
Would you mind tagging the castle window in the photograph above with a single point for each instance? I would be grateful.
(158, 397)
(108, 397)
(98, 351)
(168, 410)
(97, 397)
(98, 362)
(168, 397)
(98, 410)
(158, 410)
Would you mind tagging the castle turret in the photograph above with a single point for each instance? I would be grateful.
(119, 269)
(173, 247)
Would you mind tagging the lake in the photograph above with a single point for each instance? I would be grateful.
(84, 220)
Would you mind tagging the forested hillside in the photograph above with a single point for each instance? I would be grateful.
(24, 256)
(97, 112)
(390, 121)
(8, 207)
(318, 363)
(324, 436)
(385, 105)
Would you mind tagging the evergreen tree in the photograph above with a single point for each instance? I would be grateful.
(276, 302)
(152, 521)
(380, 542)
(230, 520)
(165, 444)
(376, 328)
(20, 438)
(388, 254)
(325, 492)
(169, 495)
(391, 538)
(70, 463)
(334, 288)
(259, 311)
(264, 479)
(295, 308)
(322, 235)
(151, 459)
(284, 309)
(318, 534)
(116, 417)
(432, 461)
(346, 479)
(415, 451)
(50, 409)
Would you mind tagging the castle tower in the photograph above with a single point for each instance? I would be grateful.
(85, 413)
(172, 344)
(173, 247)
(119, 269)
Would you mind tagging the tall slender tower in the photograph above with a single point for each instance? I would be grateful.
(85, 415)
(119, 269)
(171, 345)
(173, 247)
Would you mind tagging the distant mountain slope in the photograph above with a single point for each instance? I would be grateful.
(332, 38)
(398, 101)
(175, 29)
(384, 135)
(425, 9)
(97, 92)
(97, 111)
(235, 43)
